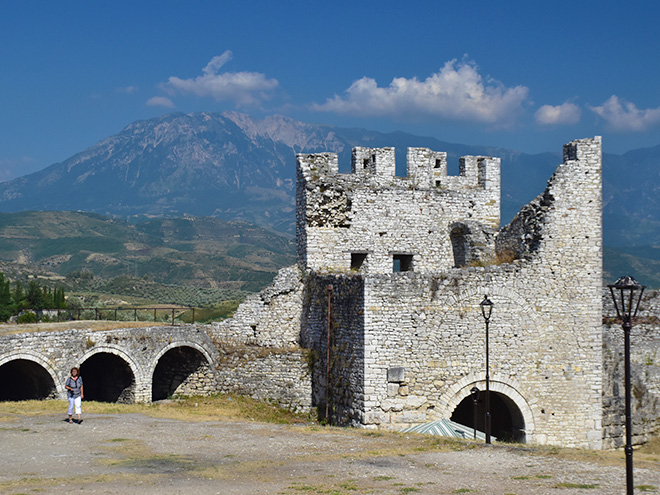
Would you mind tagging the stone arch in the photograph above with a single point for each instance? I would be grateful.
(503, 387)
(184, 368)
(38, 379)
(110, 375)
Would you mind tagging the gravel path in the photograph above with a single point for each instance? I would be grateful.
(132, 453)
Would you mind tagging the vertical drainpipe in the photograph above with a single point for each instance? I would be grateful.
(327, 357)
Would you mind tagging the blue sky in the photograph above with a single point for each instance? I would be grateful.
(517, 74)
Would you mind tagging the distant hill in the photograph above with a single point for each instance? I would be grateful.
(200, 252)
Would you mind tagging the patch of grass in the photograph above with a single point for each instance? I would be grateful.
(463, 490)
(383, 478)
(583, 486)
(409, 489)
(647, 488)
(350, 485)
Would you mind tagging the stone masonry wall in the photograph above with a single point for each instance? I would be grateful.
(338, 388)
(645, 373)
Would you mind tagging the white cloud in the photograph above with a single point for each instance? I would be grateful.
(567, 113)
(243, 88)
(456, 92)
(622, 115)
(160, 101)
(127, 89)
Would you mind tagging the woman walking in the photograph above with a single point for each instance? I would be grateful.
(74, 387)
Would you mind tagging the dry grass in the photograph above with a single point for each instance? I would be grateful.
(216, 408)
(94, 325)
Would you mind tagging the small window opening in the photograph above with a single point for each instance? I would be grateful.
(402, 262)
(365, 163)
(438, 183)
(438, 163)
(357, 260)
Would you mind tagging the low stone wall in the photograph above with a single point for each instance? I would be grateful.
(645, 374)
(281, 376)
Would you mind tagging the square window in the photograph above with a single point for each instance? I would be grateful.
(357, 260)
(402, 262)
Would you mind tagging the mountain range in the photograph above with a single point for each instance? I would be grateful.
(234, 167)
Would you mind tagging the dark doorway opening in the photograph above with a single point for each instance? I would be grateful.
(25, 380)
(507, 422)
(108, 378)
(174, 368)
(459, 246)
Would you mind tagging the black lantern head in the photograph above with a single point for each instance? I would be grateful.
(474, 392)
(626, 295)
(486, 308)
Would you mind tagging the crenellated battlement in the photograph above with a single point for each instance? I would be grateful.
(426, 169)
(374, 216)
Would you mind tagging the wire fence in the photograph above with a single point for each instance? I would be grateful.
(172, 315)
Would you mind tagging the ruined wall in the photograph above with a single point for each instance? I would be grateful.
(259, 348)
(371, 212)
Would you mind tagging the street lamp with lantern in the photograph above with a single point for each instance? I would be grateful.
(486, 311)
(626, 302)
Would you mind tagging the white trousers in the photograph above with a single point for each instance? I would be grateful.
(74, 401)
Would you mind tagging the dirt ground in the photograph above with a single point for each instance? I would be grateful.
(133, 453)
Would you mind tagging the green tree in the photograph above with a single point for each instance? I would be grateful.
(35, 296)
(6, 308)
(19, 296)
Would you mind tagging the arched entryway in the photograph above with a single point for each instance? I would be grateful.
(23, 379)
(107, 378)
(181, 370)
(507, 421)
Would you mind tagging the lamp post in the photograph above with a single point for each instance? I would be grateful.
(486, 311)
(474, 392)
(625, 290)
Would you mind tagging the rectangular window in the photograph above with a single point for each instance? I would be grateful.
(402, 262)
(357, 260)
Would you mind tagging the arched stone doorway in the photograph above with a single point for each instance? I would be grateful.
(507, 421)
(108, 378)
(182, 370)
(23, 379)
